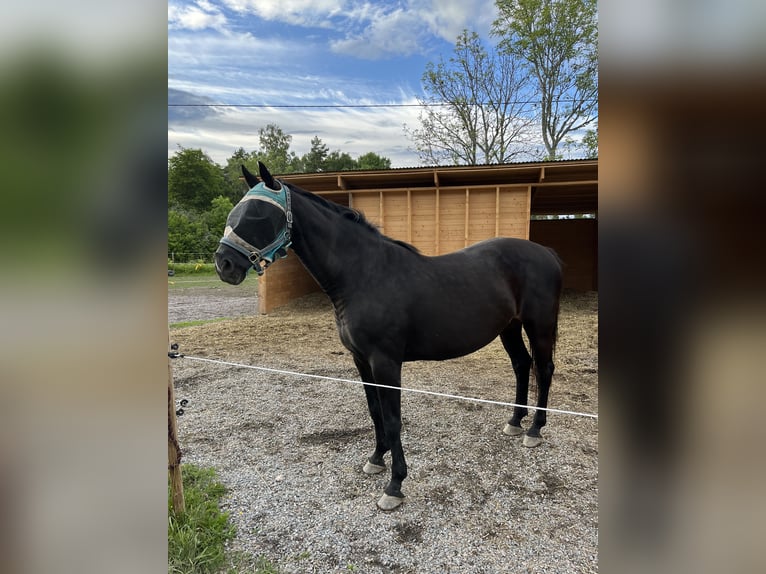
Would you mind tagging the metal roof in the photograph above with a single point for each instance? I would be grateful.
(558, 187)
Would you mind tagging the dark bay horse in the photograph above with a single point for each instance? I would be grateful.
(393, 304)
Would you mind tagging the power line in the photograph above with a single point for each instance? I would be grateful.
(340, 106)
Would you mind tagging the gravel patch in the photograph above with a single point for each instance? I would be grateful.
(291, 452)
(211, 302)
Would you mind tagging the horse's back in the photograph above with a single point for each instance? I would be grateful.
(520, 260)
(534, 261)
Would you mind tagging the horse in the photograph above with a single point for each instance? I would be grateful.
(393, 304)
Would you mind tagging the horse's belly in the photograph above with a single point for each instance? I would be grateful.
(438, 331)
(439, 344)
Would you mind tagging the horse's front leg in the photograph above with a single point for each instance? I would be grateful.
(388, 372)
(375, 463)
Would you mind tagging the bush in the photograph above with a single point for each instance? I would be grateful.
(194, 268)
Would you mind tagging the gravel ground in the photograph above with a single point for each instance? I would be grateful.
(211, 301)
(291, 450)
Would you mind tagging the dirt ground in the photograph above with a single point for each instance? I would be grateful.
(291, 449)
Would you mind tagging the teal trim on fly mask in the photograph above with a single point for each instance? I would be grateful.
(277, 249)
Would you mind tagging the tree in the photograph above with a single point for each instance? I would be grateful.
(193, 235)
(590, 142)
(476, 108)
(321, 159)
(558, 42)
(235, 185)
(193, 180)
(371, 160)
(314, 161)
(187, 236)
(339, 161)
(275, 149)
(215, 218)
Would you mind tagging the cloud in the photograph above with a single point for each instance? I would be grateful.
(409, 29)
(239, 68)
(354, 131)
(448, 18)
(248, 69)
(396, 33)
(185, 106)
(198, 16)
(309, 13)
(365, 29)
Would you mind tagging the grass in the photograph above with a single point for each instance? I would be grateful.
(192, 268)
(197, 539)
(183, 324)
(207, 280)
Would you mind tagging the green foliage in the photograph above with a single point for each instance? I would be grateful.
(275, 150)
(339, 161)
(314, 161)
(371, 160)
(188, 234)
(201, 193)
(193, 235)
(215, 217)
(193, 180)
(232, 173)
(590, 142)
(192, 268)
(197, 538)
(557, 40)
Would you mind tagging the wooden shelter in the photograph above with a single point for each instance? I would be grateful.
(442, 209)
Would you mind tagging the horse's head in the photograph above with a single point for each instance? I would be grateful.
(257, 230)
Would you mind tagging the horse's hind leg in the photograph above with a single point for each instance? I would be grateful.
(374, 464)
(542, 340)
(521, 361)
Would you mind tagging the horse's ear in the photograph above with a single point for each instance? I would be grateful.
(267, 178)
(251, 180)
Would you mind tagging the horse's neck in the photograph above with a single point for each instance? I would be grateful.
(321, 241)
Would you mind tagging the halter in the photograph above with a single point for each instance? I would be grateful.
(277, 249)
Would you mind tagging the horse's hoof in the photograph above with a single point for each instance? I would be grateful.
(370, 468)
(387, 502)
(532, 441)
(512, 431)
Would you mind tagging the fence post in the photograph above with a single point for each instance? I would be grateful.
(174, 449)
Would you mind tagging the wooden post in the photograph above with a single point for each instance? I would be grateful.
(409, 215)
(174, 449)
(382, 216)
(528, 217)
(264, 305)
(467, 215)
(437, 224)
(497, 211)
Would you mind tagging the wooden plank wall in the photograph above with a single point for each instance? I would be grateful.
(435, 220)
(284, 281)
(441, 220)
(576, 243)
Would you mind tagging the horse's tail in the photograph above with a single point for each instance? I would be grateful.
(559, 291)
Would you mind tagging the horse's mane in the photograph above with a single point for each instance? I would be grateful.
(355, 216)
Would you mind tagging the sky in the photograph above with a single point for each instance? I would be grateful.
(307, 53)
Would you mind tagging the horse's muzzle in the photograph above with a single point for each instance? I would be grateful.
(228, 270)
